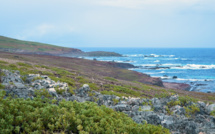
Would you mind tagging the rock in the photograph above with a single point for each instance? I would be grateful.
(19, 85)
(210, 108)
(174, 77)
(146, 108)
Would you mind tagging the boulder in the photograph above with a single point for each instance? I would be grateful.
(210, 108)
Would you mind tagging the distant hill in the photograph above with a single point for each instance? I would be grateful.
(29, 47)
(20, 46)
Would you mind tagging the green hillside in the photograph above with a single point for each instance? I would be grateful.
(14, 45)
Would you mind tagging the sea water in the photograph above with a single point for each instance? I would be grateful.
(194, 66)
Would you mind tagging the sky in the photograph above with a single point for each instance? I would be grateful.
(111, 23)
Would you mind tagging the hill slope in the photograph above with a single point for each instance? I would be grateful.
(28, 47)
(14, 45)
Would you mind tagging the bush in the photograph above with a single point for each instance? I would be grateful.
(213, 113)
(39, 116)
(110, 78)
(13, 67)
(2, 86)
(3, 62)
(173, 103)
(24, 64)
(191, 110)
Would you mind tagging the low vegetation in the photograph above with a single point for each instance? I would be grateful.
(44, 116)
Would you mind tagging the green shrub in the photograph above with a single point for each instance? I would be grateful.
(38, 66)
(39, 116)
(3, 62)
(13, 67)
(173, 103)
(47, 73)
(37, 78)
(24, 64)
(59, 90)
(186, 99)
(110, 78)
(191, 110)
(93, 86)
(82, 80)
(212, 113)
(2, 86)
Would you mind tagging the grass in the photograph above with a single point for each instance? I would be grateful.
(110, 78)
(24, 64)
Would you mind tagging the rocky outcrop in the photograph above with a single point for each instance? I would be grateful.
(157, 111)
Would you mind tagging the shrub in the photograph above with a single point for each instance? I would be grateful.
(39, 116)
(93, 86)
(37, 78)
(191, 110)
(13, 67)
(2, 86)
(110, 78)
(59, 90)
(173, 103)
(186, 99)
(24, 64)
(212, 113)
(47, 73)
(3, 62)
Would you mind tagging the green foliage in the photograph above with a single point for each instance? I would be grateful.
(46, 67)
(47, 73)
(38, 66)
(3, 62)
(13, 67)
(24, 64)
(61, 72)
(115, 101)
(39, 116)
(71, 90)
(163, 95)
(173, 103)
(82, 79)
(93, 86)
(149, 103)
(59, 90)
(191, 110)
(168, 111)
(110, 78)
(212, 113)
(122, 89)
(37, 78)
(186, 99)
(42, 92)
(114, 93)
(2, 86)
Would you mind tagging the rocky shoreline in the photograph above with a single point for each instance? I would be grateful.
(178, 115)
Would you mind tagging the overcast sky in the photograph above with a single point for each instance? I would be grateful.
(111, 23)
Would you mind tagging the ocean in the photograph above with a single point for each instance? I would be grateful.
(194, 66)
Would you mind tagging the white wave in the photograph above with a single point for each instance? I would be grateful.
(194, 66)
(171, 55)
(181, 79)
(183, 58)
(171, 65)
(150, 65)
(162, 72)
(157, 61)
(175, 58)
(133, 55)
